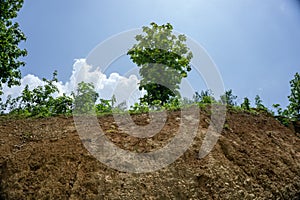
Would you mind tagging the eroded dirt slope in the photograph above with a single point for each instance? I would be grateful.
(255, 158)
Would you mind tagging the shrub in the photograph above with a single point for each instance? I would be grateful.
(85, 98)
(228, 98)
(246, 104)
(294, 98)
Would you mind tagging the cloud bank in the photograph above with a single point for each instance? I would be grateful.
(124, 88)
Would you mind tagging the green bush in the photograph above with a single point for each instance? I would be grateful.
(85, 98)
(205, 97)
(137, 108)
(105, 106)
(40, 101)
(174, 104)
(228, 98)
(246, 104)
(294, 98)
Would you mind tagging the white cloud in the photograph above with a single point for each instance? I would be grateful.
(116, 84)
(125, 88)
(30, 80)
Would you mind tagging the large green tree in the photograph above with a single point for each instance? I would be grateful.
(164, 59)
(10, 37)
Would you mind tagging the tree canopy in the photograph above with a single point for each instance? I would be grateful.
(164, 59)
(10, 37)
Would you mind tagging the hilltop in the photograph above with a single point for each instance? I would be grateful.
(256, 157)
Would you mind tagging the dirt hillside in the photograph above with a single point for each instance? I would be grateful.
(255, 158)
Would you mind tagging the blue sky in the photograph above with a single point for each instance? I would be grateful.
(254, 43)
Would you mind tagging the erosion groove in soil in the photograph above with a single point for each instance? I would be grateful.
(255, 158)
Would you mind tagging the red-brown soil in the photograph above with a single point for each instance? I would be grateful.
(255, 158)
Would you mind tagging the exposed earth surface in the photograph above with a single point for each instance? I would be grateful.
(256, 157)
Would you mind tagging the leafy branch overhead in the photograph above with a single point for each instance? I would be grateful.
(164, 59)
(10, 37)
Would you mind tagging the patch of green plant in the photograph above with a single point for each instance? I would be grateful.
(202, 106)
(236, 109)
(285, 121)
(259, 105)
(104, 106)
(228, 98)
(40, 101)
(281, 115)
(173, 105)
(253, 112)
(294, 98)
(205, 97)
(138, 108)
(246, 104)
